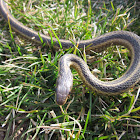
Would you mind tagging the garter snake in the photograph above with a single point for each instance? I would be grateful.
(98, 44)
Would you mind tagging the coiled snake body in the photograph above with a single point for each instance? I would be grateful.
(65, 80)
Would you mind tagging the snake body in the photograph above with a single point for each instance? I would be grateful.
(98, 44)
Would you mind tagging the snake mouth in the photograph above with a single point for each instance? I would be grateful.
(61, 100)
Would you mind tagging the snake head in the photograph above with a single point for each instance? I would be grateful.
(63, 86)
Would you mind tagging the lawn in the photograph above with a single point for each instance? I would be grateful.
(28, 73)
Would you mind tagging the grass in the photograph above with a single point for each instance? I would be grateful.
(28, 74)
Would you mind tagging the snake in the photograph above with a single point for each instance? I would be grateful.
(64, 82)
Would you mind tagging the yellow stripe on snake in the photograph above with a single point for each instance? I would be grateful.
(65, 79)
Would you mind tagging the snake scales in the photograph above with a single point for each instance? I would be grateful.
(98, 44)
